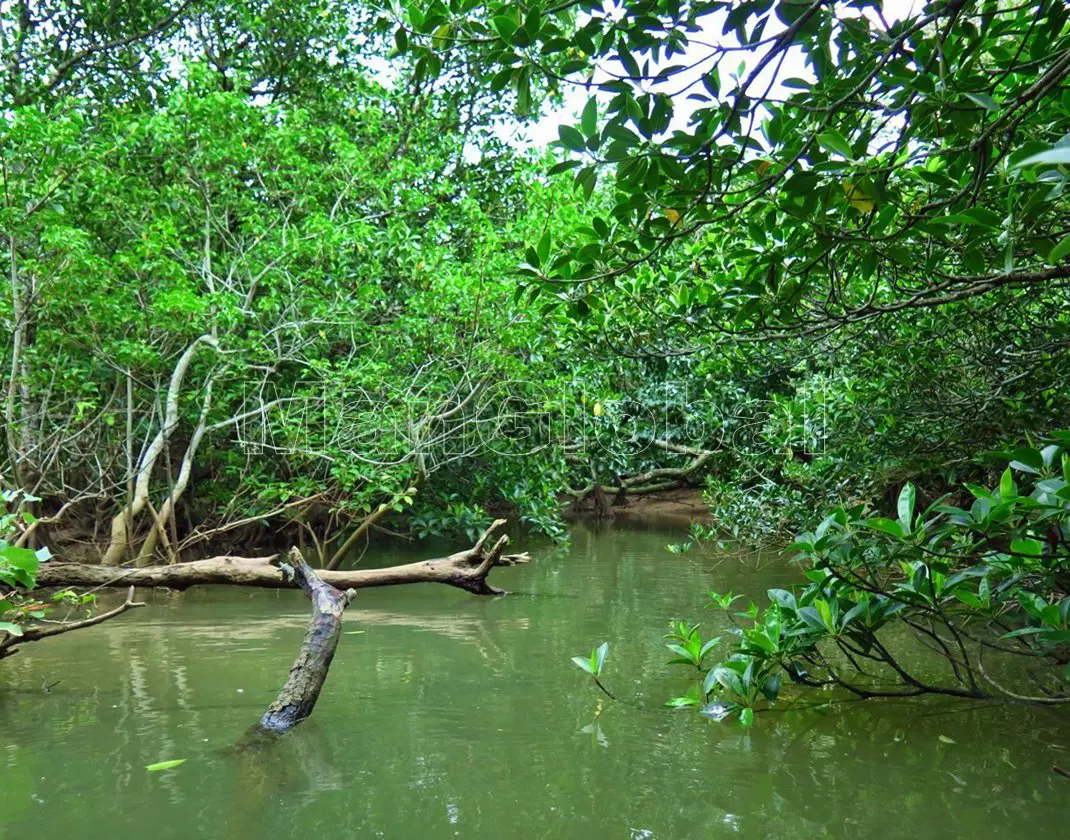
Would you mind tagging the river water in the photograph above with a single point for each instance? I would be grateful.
(447, 715)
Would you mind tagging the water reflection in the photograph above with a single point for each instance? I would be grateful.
(451, 716)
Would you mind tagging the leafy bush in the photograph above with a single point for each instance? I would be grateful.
(18, 571)
(983, 585)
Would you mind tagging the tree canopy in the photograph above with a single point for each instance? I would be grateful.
(774, 168)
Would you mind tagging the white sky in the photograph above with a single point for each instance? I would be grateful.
(544, 131)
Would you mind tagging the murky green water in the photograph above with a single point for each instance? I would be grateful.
(447, 715)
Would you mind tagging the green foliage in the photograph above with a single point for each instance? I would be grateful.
(18, 572)
(836, 178)
(781, 167)
(594, 664)
(356, 295)
(453, 517)
(981, 583)
(18, 566)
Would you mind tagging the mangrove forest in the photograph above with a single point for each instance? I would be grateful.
(642, 419)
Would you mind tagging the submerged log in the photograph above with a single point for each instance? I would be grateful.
(466, 570)
(309, 671)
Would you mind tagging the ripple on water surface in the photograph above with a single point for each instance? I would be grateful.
(452, 716)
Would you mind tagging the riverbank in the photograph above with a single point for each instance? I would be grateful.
(675, 508)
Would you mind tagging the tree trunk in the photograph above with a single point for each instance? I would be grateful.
(598, 498)
(466, 570)
(158, 530)
(123, 523)
(309, 672)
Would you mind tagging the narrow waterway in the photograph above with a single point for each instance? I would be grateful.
(447, 715)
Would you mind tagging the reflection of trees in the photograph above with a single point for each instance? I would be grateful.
(453, 716)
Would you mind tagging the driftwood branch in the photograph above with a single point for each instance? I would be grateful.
(309, 671)
(467, 569)
(43, 631)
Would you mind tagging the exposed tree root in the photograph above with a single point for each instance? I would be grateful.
(651, 481)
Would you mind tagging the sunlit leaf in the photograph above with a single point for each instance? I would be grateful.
(165, 765)
(858, 198)
(584, 663)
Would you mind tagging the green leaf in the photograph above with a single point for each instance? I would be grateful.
(710, 682)
(571, 138)
(564, 166)
(836, 142)
(710, 645)
(543, 248)
(983, 216)
(506, 26)
(1028, 547)
(782, 597)
(825, 612)
(771, 686)
(1026, 459)
(888, 526)
(501, 79)
(21, 558)
(905, 506)
(746, 717)
(165, 765)
(589, 118)
(8, 627)
(1060, 252)
(1023, 631)
(1058, 155)
(523, 92)
(717, 711)
(600, 656)
(1007, 487)
(984, 100)
(584, 663)
(586, 179)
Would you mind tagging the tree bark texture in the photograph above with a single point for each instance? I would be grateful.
(467, 569)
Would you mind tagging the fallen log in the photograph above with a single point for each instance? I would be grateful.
(309, 671)
(466, 570)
